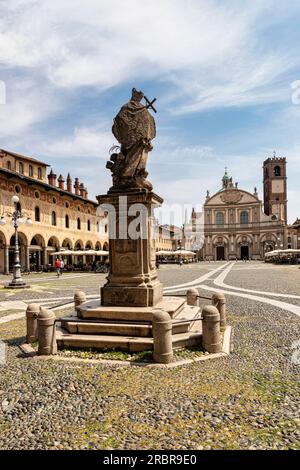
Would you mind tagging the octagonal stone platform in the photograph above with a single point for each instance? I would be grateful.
(127, 328)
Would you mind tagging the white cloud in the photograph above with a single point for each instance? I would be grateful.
(83, 142)
(210, 51)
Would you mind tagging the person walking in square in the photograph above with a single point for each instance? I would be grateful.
(57, 266)
(62, 265)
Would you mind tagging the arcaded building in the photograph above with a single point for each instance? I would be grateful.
(62, 214)
(239, 225)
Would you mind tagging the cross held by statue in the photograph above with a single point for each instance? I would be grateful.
(149, 104)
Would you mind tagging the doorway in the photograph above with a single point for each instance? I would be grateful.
(244, 252)
(220, 253)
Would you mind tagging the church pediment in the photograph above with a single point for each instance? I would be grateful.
(231, 196)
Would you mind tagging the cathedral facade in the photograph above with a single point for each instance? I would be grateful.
(239, 225)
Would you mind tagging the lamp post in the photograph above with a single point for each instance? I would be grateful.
(17, 282)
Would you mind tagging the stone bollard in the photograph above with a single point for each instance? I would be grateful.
(211, 338)
(162, 337)
(218, 300)
(32, 313)
(192, 297)
(79, 298)
(46, 332)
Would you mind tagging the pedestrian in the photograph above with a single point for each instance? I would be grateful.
(62, 265)
(180, 261)
(57, 266)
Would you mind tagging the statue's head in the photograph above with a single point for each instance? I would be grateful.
(136, 95)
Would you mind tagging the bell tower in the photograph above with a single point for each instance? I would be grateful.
(275, 187)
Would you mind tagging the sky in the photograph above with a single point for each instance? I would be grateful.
(226, 75)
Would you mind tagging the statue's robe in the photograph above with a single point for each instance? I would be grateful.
(134, 127)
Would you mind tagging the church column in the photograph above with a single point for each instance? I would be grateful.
(6, 259)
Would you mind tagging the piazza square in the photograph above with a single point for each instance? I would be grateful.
(149, 233)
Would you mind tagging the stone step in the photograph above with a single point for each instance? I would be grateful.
(76, 325)
(125, 343)
(93, 310)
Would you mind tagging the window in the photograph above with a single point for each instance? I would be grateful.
(8, 165)
(54, 200)
(37, 195)
(53, 218)
(39, 172)
(277, 171)
(78, 224)
(220, 218)
(21, 168)
(37, 214)
(89, 225)
(244, 217)
(98, 227)
(30, 170)
(67, 221)
(105, 228)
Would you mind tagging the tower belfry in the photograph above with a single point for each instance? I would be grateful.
(275, 187)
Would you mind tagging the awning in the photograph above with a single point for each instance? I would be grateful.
(80, 253)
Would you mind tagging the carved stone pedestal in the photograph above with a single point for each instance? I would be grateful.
(132, 280)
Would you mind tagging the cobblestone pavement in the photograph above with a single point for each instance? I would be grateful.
(249, 400)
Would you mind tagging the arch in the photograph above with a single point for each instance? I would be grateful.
(67, 243)
(38, 240)
(105, 246)
(89, 245)
(98, 246)
(244, 217)
(78, 245)
(220, 240)
(220, 218)
(277, 171)
(2, 239)
(21, 238)
(53, 242)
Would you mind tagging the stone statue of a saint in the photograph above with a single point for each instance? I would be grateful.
(134, 128)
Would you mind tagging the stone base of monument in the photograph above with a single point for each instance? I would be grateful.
(128, 328)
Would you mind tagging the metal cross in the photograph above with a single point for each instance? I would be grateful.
(149, 104)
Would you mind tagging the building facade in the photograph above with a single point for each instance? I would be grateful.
(293, 235)
(62, 214)
(238, 225)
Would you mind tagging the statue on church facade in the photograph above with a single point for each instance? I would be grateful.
(134, 128)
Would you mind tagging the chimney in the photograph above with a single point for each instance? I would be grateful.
(81, 189)
(76, 186)
(61, 182)
(69, 183)
(85, 193)
(52, 178)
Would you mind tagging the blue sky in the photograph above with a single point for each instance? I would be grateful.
(222, 73)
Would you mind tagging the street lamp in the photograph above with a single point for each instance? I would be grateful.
(17, 218)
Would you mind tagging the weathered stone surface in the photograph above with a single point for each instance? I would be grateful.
(134, 128)
(132, 280)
